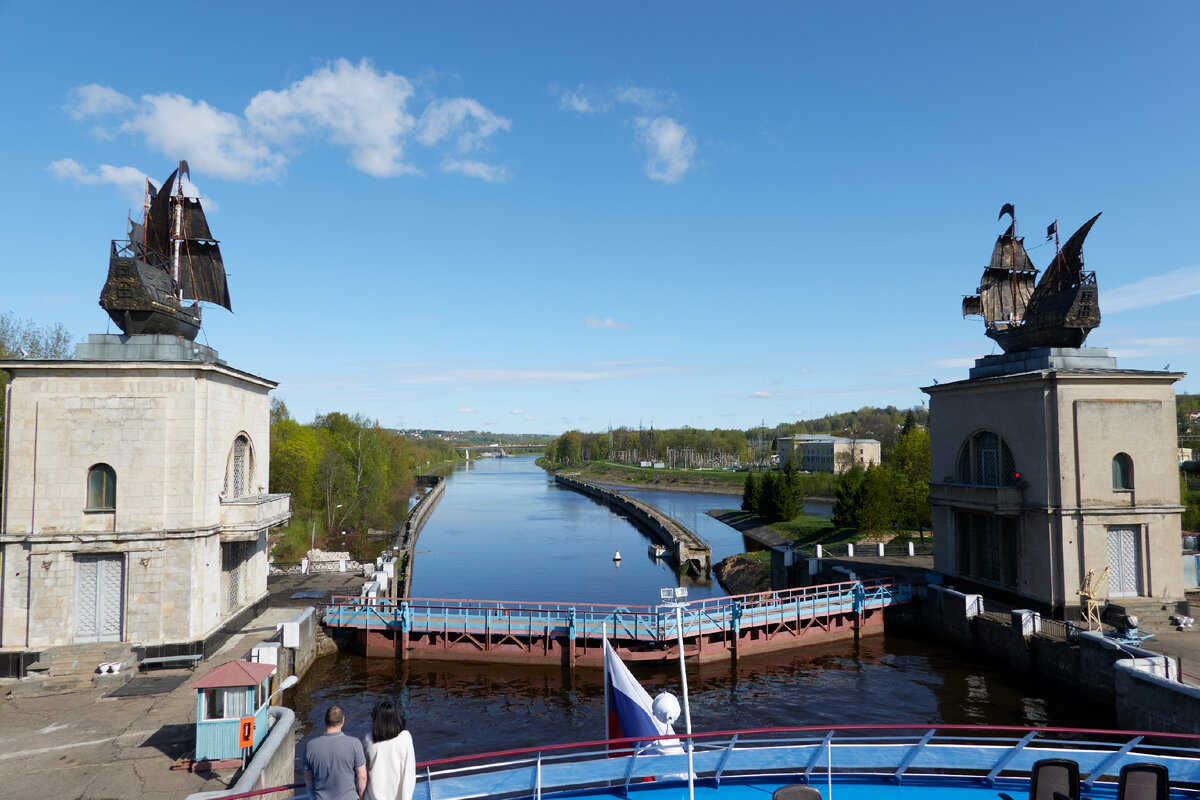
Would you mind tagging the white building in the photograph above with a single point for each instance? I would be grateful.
(823, 452)
(135, 506)
(1051, 463)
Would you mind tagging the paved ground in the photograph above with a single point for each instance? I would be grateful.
(89, 746)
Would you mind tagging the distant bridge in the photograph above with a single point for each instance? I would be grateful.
(501, 447)
(514, 632)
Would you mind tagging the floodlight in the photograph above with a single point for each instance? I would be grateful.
(667, 594)
(681, 593)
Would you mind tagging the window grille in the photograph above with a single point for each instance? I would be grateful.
(986, 460)
(964, 463)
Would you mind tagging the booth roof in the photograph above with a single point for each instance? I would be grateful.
(235, 673)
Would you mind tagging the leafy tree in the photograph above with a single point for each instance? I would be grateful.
(909, 462)
(848, 496)
(878, 510)
(751, 492)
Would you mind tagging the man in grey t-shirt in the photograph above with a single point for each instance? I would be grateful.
(334, 765)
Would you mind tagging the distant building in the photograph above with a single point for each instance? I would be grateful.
(1050, 463)
(1185, 454)
(135, 505)
(823, 452)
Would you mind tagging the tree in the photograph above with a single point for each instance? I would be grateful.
(789, 502)
(909, 462)
(848, 498)
(751, 493)
(877, 511)
(768, 497)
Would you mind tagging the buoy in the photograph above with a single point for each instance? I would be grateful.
(617, 556)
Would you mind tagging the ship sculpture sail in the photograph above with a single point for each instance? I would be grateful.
(1019, 314)
(168, 258)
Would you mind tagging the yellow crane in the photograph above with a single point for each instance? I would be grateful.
(1092, 586)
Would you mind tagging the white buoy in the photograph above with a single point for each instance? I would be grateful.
(617, 556)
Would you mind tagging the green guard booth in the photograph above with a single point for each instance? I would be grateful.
(231, 709)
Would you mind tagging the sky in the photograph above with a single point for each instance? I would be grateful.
(541, 216)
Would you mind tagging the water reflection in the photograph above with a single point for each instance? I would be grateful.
(458, 709)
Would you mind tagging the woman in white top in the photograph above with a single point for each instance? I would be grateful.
(391, 763)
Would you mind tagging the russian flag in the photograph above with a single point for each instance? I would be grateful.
(629, 713)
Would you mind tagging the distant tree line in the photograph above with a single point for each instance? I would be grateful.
(653, 444)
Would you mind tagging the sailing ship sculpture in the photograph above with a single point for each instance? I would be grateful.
(1021, 312)
(171, 256)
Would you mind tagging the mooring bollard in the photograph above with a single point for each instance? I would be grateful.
(850, 551)
(911, 551)
(881, 549)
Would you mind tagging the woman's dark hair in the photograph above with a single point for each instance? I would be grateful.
(386, 721)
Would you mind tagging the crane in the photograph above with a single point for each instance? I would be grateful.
(1092, 586)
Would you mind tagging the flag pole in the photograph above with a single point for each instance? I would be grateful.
(687, 706)
(604, 661)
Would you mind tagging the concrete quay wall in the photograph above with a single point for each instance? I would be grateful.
(685, 546)
(1140, 686)
(406, 535)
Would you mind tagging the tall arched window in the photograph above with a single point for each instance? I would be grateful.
(985, 460)
(1122, 472)
(101, 488)
(239, 473)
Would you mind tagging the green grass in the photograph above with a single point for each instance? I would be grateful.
(292, 540)
(807, 531)
(815, 485)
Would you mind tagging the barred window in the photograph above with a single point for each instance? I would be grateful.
(101, 488)
(240, 469)
(986, 460)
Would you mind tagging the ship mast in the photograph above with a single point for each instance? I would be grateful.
(177, 230)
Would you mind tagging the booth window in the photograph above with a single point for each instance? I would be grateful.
(101, 488)
(1122, 472)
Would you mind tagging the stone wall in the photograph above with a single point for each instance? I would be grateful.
(1140, 686)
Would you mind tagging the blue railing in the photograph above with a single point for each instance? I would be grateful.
(639, 623)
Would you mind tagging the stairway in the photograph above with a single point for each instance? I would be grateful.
(72, 668)
(1153, 615)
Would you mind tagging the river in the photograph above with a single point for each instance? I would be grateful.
(505, 531)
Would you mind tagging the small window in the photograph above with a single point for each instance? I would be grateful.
(102, 488)
(1122, 472)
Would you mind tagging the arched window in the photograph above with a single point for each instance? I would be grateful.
(985, 460)
(1122, 472)
(239, 473)
(101, 488)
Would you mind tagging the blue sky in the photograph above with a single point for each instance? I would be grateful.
(541, 216)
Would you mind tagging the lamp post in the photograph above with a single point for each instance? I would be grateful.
(676, 597)
(288, 682)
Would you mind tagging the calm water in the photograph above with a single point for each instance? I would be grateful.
(504, 531)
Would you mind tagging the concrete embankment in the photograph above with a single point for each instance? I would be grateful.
(1142, 687)
(406, 535)
(685, 547)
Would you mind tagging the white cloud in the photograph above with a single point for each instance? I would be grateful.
(607, 322)
(93, 99)
(647, 99)
(583, 100)
(131, 181)
(358, 107)
(353, 106)
(760, 395)
(478, 169)
(212, 141)
(466, 410)
(1152, 291)
(528, 419)
(517, 411)
(669, 147)
(463, 119)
